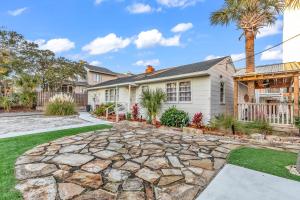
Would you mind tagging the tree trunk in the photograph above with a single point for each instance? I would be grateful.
(250, 62)
(298, 163)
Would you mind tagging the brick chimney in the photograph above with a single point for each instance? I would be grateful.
(149, 69)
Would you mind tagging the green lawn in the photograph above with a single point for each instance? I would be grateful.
(264, 160)
(12, 148)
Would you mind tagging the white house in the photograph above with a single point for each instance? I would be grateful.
(205, 87)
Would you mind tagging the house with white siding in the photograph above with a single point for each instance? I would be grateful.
(205, 87)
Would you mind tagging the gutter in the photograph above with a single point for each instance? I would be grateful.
(135, 83)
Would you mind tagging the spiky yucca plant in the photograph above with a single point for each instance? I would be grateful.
(152, 101)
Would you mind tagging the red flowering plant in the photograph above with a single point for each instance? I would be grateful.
(197, 120)
(135, 111)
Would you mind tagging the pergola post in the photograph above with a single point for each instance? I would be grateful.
(235, 98)
(251, 91)
(296, 96)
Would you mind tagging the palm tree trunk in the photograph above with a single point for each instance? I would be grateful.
(298, 163)
(250, 61)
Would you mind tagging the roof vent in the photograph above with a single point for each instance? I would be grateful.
(149, 69)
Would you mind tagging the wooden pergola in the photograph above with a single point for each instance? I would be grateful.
(277, 76)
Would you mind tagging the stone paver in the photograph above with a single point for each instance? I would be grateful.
(126, 162)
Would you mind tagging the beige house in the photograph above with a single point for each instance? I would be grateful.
(205, 87)
(95, 75)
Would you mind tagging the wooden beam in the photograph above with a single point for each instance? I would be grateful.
(296, 96)
(266, 76)
(251, 91)
(235, 98)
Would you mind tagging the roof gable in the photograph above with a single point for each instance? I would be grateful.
(100, 69)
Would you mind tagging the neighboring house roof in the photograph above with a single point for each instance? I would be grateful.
(100, 69)
(271, 69)
(164, 73)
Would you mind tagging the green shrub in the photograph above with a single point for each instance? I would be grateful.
(174, 117)
(61, 105)
(128, 116)
(28, 99)
(6, 103)
(101, 110)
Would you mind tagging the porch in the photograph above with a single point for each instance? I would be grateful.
(270, 93)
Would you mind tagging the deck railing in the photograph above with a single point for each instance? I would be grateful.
(274, 113)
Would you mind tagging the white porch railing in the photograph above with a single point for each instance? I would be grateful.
(121, 108)
(274, 113)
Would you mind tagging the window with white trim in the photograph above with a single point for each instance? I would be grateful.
(171, 92)
(110, 95)
(97, 78)
(222, 92)
(185, 94)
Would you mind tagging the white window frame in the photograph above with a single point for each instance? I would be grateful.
(224, 93)
(184, 91)
(176, 92)
(145, 86)
(111, 95)
(97, 78)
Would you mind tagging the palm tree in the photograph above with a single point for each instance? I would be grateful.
(249, 16)
(292, 4)
(152, 101)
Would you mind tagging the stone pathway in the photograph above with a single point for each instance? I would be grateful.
(125, 162)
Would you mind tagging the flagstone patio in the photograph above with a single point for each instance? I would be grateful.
(125, 162)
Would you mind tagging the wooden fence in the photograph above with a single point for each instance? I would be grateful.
(80, 99)
(274, 113)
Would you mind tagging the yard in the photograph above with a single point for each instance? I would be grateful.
(265, 160)
(12, 148)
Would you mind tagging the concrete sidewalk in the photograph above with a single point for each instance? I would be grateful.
(89, 121)
(237, 183)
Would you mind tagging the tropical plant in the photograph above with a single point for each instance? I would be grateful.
(152, 101)
(28, 85)
(60, 104)
(174, 117)
(292, 4)
(197, 120)
(6, 103)
(100, 111)
(135, 111)
(250, 16)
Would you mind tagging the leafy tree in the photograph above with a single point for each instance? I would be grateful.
(292, 4)
(152, 101)
(249, 16)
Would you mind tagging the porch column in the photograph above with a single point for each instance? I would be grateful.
(129, 95)
(116, 105)
(296, 96)
(235, 98)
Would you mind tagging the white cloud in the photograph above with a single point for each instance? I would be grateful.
(98, 2)
(237, 56)
(96, 63)
(272, 54)
(17, 11)
(153, 37)
(271, 30)
(108, 43)
(210, 57)
(177, 3)
(153, 62)
(139, 8)
(182, 27)
(56, 45)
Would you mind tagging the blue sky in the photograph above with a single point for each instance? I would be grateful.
(126, 35)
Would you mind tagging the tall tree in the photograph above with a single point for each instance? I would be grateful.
(249, 16)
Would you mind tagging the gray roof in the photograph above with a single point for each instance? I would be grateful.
(100, 69)
(163, 73)
(271, 69)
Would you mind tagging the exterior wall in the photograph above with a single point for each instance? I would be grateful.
(200, 89)
(291, 49)
(80, 89)
(104, 77)
(221, 72)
